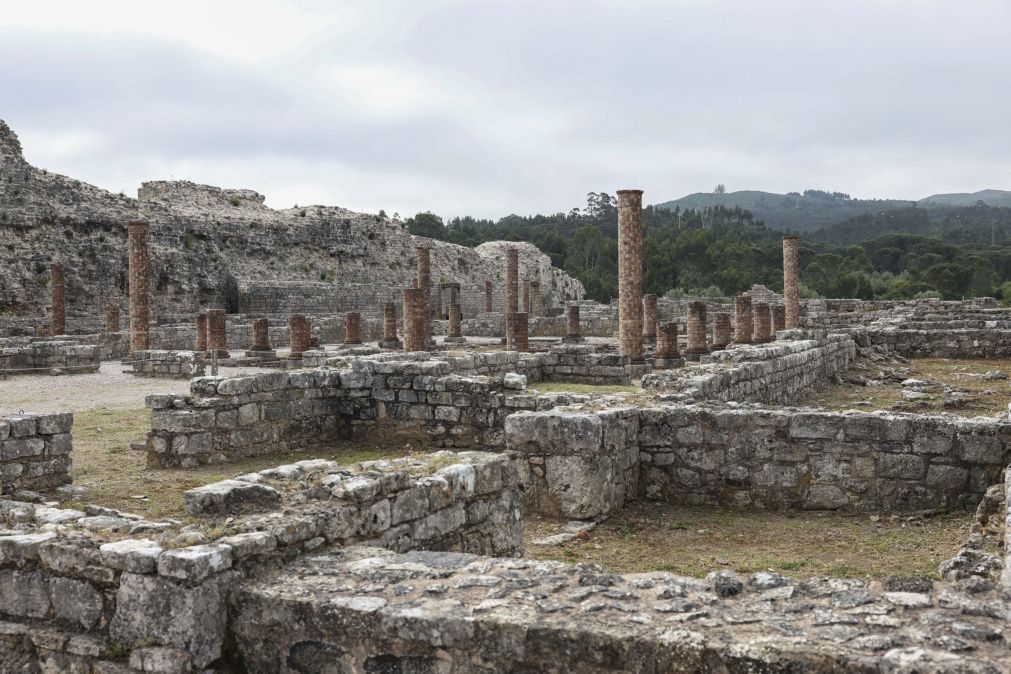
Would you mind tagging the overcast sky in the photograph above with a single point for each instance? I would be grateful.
(490, 108)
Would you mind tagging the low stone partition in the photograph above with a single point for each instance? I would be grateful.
(35, 451)
(943, 343)
(776, 458)
(369, 610)
(103, 591)
(770, 373)
(167, 364)
(43, 357)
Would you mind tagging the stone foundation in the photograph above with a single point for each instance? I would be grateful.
(35, 452)
(168, 364)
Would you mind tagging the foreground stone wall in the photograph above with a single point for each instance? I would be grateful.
(370, 610)
(167, 364)
(35, 451)
(103, 591)
(41, 357)
(772, 458)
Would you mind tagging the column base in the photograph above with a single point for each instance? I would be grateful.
(668, 363)
(573, 339)
(455, 340)
(694, 356)
(391, 344)
(265, 355)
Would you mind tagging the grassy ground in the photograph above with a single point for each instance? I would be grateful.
(115, 476)
(647, 536)
(561, 387)
(985, 397)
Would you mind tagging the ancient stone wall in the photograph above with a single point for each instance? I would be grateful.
(41, 357)
(944, 342)
(168, 364)
(35, 451)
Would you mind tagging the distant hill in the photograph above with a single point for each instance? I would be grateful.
(814, 209)
(993, 198)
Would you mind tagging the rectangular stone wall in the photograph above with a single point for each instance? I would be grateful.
(804, 459)
(944, 342)
(35, 451)
(167, 364)
(42, 357)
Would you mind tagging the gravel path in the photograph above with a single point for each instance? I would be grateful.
(110, 387)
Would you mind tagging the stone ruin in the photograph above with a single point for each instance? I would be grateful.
(416, 564)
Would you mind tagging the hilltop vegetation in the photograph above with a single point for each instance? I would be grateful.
(720, 251)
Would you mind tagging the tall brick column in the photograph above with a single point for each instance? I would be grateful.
(415, 332)
(217, 332)
(301, 336)
(390, 340)
(535, 298)
(520, 335)
(721, 330)
(573, 333)
(630, 274)
(743, 325)
(487, 296)
(201, 341)
(352, 328)
(59, 316)
(778, 318)
(140, 316)
(261, 335)
(512, 291)
(696, 329)
(424, 280)
(112, 319)
(648, 319)
(666, 344)
(453, 332)
(763, 323)
(791, 282)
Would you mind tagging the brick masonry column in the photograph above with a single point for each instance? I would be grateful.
(535, 298)
(512, 290)
(778, 318)
(415, 333)
(487, 296)
(526, 296)
(201, 341)
(520, 334)
(696, 329)
(140, 316)
(630, 274)
(301, 336)
(112, 318)
(667, 341)
(721, 330)
(261, 335)
(648, 319)
(352, 328)
(572, 323)
(389, 323)
(763, 323)
(453, 332)
(791, 282)
(217, 332)
(743, 325)
(58, 324)
(424, 280)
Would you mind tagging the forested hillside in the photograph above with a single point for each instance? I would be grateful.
(896, 254)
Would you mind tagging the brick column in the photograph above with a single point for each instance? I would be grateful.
(778, 318)
(58, 324)
(743, 326)
(763, 323)
(140, 316)
(217, 332)
(696, 329)
(487, 296)
(512, 291)
(415, 332)
(301, 336)
(390, 326)
(630, 274)
(526, 296)
(791, 282)
(574, 335)
(201, 341)
(424, 281)
(112, 320)
(352, 328)
(648, 319)
(453, 333)
(721, 330)
(261, 335)
(520, 340)
(666, 343)
(535, 298)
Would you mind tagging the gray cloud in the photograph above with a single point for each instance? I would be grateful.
(490, 108)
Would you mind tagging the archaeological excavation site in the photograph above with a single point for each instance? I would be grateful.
(241, 439)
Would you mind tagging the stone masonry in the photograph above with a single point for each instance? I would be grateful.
(743, 324)
(721, 330)
(696, 329)
(352, 328)
(763, 323)
(791, 282)
(112, 320)
(415, 332)
(630, 274)
(572, 330)
(487, 296)
(453, 333)
(390, 340)
(512, 290)
(301, 336)
(520, 332)
(34, 451)
(201, 340)
(59, 309)
(424, 280)
(649, 319)
(140, 317)
(535, 298)
(778, 317)
(217, 332)
(667, 342)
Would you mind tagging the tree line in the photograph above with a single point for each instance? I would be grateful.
(720, 251)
